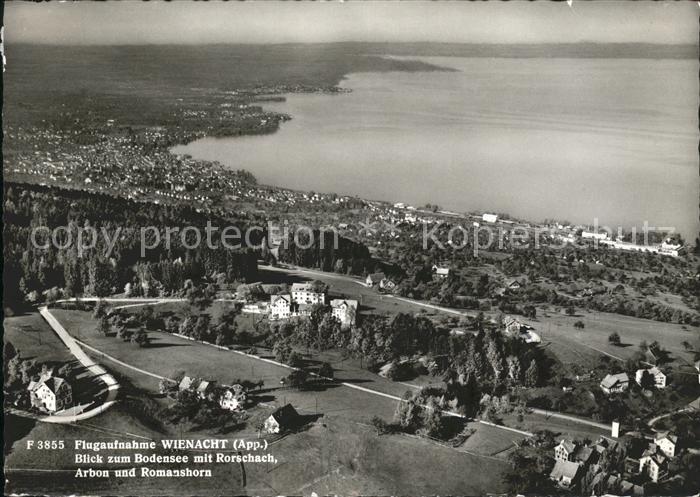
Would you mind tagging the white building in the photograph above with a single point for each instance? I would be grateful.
(50, 393)
(592, 235)
(615, 383)
(307, 293)
(256, 308)
(282, 419)
(233, 398)
(280, 306)
(656, 373)
(344, 311)
(654, 465)
(489, 218)
(667, 443)
(565, 450)
(440, 272)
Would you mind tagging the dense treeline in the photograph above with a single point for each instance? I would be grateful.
(111, 258)
(327, 251)
(484, 362)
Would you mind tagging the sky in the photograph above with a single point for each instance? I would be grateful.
(186, 22)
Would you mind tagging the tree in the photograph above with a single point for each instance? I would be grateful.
(579, 325)
(124, 333)
(294, 359)
(100, 309)
(647, 381)
(103, 327)
(298, 378)
(570, 310)
(614, 338)
(140, 338)
(380, 425)
(532, 375)
(326, 370)
(529, 311)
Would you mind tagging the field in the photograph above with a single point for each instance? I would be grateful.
(338, 453)
(585, 346)
(169, 355)
(35, 340)
(337, 456)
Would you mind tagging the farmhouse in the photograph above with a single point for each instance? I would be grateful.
(205, 388)
(656, 373)
(565, 473)
(374, 279)
(186, 383)
(666, 442)
(615, 383)
(387, 284)
(565, 450)
(282, 419)
(654, 464)
(344, 311)
(440, 272)
(50, 393)
(308, 293)
(232, 398)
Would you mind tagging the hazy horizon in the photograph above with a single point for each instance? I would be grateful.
(274, 23)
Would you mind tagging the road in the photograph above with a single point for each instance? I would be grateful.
(321, 274)
(95, 369)
(313, 273)
(554, 414)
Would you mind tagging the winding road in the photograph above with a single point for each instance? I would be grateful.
(98, 371)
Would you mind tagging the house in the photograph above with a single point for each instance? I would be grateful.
(281, 420)
(374, 279)
(489, 218)
(50, 393)
(232, 398)
(565, 473)
(592, 235)
(654, 464)
(513, 284)
(440, 272)
(344, 311)
(187, 383)
(656, 373)
(520, 330)
(615, 383)
(585, 454)
(308, 293)
(666, 442)
(256, 308)
(281, 306)
(387, 284)
(565, 450)
(205, 388)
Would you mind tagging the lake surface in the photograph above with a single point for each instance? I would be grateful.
(572, 139)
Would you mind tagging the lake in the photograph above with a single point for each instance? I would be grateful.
(572, 139)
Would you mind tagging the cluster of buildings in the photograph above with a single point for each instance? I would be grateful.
(620, 382)
(50, 393)
(518, 329)
(229, 397)
(299, 302)
(645, 460)
(380, 281)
